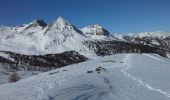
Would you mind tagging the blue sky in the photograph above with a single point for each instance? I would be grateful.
(120, 16)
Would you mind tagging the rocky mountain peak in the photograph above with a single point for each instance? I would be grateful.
(95, 26)
(95, 30)
(61, 23)
(38, 22)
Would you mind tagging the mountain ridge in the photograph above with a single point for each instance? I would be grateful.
(37, 37)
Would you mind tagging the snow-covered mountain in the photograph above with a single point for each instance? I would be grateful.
(116, 77)
(62, 36)
(39, 38)
(96, 32)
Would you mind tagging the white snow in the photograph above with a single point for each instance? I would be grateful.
(126, 77)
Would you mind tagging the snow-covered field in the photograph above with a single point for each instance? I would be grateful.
(115, 77)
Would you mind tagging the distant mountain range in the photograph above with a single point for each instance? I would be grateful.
(39, 38)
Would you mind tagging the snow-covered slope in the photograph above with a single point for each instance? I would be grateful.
(116, 77)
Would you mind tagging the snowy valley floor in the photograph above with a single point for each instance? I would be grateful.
(115, 77)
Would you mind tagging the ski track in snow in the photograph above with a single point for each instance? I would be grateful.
(127, 65)
(151, 56)
(91, 90)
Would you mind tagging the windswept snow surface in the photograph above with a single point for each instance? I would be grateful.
(124, 77)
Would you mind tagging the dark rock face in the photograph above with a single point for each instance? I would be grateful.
(36, 23)
(104, 32)
(41, 23)
(103, 48)
(47, 62)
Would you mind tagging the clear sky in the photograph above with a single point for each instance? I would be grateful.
(120, 16)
